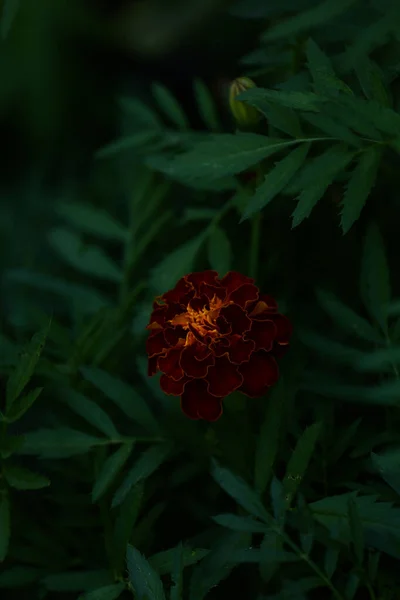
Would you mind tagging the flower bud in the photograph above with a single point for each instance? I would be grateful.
(244, 114)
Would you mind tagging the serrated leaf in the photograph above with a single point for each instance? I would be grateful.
(325, 79)
(92, 220)
(298, 462)
(128, 400)
(276, 180)
(177, 574)
(206, 105)
(356, 529)
(322, 13)
(91, 412)
(170, 106)
(227, 154)
(388, 466)
(268, 438)
(219, 251)
(25, 367)
(240, 491)
(108, 592)
(176, 264)
(143, 578)
(8, 14)
(359, 187)
(343, 443)
(86, 258)
(346, 319)
(375, 277)
(333, 128)
(150, 460)
(77, 581)
(330, 561)
(247, 524)
(346, 112)
(132, 142)
(278, 116)
(371, 80)
(4, 524)
(58, 443)
(24, 479)
(382, 118)
(110, 469)
(125, 521)
(257, 97)
(164, 562)
(307, 200)
(22, 404)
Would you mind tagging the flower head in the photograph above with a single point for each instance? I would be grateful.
(244, 114)
(210, 336)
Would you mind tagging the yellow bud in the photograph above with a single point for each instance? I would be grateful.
(244, 114)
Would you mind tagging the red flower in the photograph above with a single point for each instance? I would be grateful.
(210, 336)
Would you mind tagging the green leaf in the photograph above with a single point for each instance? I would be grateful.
(276, 180)
(258, 97)
(22, 404)
(330, 561)
(150, 460)
(240, 491)
(359, 187)
(268, 438)
(325, 80)
(91, 412)
(380, 361)
(298, 462)
(92, 220)
(24, 479)
(175, 265)
(333, 128)
(86, 258)
(278, 500)
(346, 319)
(19, 576)
(108, 592)
(125, 521)
(219, 250)
(4, 524)
(356, 529)
(137, 142)
(342, 444)
(9, 445)
(58, 443)
(388, 466)
(170, 106)
(177, 574)
(247, 524)
(386, 394)
(25, 367)
(336, 351)
(198, 214)
(227, 154)
(123, 395)
(8, 14)
(308, 200)
(316, 16)
(164, 562)
(141, 113)
(346, 112)
(77, 581)
(112, 466)
(143, 578)
(352, 586)
(206, 105)
(371, 80)
(375, 278)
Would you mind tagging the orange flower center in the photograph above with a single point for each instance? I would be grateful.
(202, 321)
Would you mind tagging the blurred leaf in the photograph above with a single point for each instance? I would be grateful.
(149, 461)
(87, 258)
(24, 370)
(133, 142)
(276, 180)
(92, 220)
(375, 278)
(345, 318)
(236, 523)
(278, 500)
(371, 80)
(268, 438)
(257, 97)
(19, 576)
(8, 14)
(258, 9)
(110, 469)
(352, 586)
(388, 466)
(331, 561)
(108, 592)
(206, 105)
(198, 214)
(336, 351)
(77, 581)
(278, 115)
(123, 395)
(22, 404)
(343, 442)
(177, 574)
(316, 16)
(9, 445)
(332, 128)
(356, 529)
(125, 521)
(359, 187)
(143, 578)
(170, 106)
(219, 251)
(4, 524)
(322, 72)
(140, 111)
(298, 462)
(240, 491)
(58, 443)
(91, 412)
(272, 554)
(164, 562)
(24, 479)
(383, 360)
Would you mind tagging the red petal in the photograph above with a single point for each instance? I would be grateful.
(212, 290)
(258, 374)
(237, 318)
(240, 349)
(177, 294)
(233, 280)
(223, 378)
(196, 360)
(152, 367)
(284, 329)
(169, 364)
(246, 294)
(197, 279)
(156, 343)
(263, 333)
(223, 325)
(171, 387)
(198, 303)
(197, 402)
(175, 335)
(265, 304)
(220, 346)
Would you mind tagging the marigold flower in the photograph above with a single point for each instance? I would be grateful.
(210, 336)
(244, 114)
